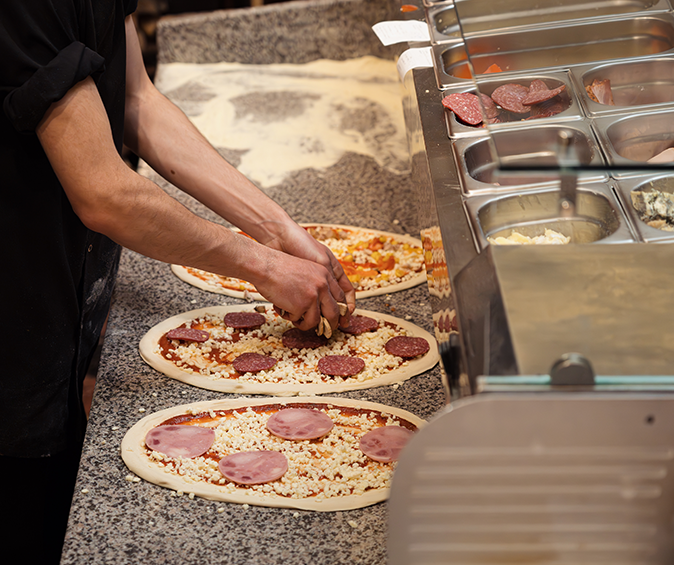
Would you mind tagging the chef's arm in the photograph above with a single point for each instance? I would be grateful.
(160, 133)
(112, 199)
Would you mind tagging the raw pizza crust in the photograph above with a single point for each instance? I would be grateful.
(185, 275)
(149, 343)
(133, 453)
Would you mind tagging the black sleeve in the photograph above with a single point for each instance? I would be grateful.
(45, 49)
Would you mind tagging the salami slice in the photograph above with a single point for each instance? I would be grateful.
(253, 363)
(298, 339)
(299, 424)
(385, 444)
(490, 108)
(510, 96)
(180, 441)
(340, 365)
(547, 109)
(360, 324)
(253, 467)
(244, 320)
(465, 105)
(406, 346)
(537, 84)
(538, 96)
(188, 334)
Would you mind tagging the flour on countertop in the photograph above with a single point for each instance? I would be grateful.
(283, 118)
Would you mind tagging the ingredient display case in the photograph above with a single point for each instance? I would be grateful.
(547, 228)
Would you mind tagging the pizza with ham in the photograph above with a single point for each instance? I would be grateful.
(250, 349)
(315, 453)
(376, 262)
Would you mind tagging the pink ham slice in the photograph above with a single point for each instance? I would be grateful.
(299, 424)
(666, 156)
(384, 444)
(188, 334)
(180, 441)
(253, 467)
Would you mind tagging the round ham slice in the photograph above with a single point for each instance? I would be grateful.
(298, 339)
(253, 363)
(253, 467)
(360, 324)
(299, 423)
(384, 444)
(406, 346)
(244, 320)
(188, 334)
(340, 365)
(180, 441)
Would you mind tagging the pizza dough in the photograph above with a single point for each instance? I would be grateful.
(296, 371)
(407, 252)
(328, 474)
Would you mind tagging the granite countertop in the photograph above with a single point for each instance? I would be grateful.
(114, 520)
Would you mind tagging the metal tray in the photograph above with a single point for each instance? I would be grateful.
(455, 128)
(624, 189)
(480, 16)
(554, 47)
(599, 217)
(634, 138)
(636, 84)
(532, 144)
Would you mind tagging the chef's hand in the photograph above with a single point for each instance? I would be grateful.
(296, 241)
(302, 291)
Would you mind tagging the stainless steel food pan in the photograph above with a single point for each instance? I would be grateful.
(478, 16)
(632, 139)
(642, 84)
(624, 189)
(568, 96)
(526, 147)
(556, 46)
(598, 217)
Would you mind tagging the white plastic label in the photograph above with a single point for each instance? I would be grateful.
(398, 32)
(415, 58)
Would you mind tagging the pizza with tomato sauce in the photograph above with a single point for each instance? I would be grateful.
(251, 349)
(316, 453)
(375, 262)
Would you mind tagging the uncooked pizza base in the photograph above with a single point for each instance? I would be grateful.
(134, 455)
(184, 274)
(410, 368)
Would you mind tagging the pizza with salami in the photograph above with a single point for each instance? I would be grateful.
(250, 349)
(376, 262)
(316, 453)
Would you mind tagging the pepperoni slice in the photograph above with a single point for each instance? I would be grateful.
(340, 365)
(538, 96)
(510, 96)
(188, 334)
(244, 320)
(406, 346)
(253, 363)
(360, 324)
(253, 467)
(180, 441)
(299, 423)
(385, 444)
(298, 339)
(465, 105)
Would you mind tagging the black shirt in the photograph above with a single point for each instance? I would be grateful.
(57, 274)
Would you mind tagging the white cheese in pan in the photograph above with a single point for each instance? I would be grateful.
(550, 237)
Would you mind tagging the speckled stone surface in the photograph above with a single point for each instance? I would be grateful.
(116, 521)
